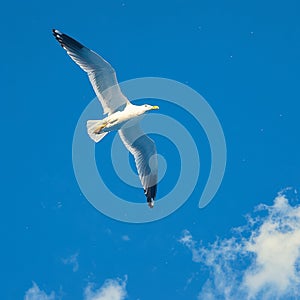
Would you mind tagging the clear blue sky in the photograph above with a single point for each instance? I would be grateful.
(242, 56)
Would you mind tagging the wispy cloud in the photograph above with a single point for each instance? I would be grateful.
(259, 261)
(34, 293)
(112, 289)
(73, 261)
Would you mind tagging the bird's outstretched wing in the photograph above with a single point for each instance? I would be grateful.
(144, 151)
(101, 74)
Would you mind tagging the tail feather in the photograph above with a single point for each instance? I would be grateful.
(92, 125)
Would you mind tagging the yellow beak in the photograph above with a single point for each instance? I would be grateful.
(155, 107)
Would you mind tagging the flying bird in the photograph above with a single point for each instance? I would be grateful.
(121, 114)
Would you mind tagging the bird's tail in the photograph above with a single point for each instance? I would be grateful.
(92, 127)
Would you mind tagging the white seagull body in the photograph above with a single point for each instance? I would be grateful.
(122, 115)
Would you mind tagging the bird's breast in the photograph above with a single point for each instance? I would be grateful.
(120, 119)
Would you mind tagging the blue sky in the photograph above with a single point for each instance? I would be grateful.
(242, 56)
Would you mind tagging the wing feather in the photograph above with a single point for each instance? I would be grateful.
(101, 74)
(144, 151)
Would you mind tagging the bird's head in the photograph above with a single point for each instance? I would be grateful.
(147, 107)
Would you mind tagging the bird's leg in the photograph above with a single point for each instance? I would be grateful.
(98, 129)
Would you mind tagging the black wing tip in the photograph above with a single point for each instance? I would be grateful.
(150, 193)
(56, 33)
(65, 40)
(58, 36)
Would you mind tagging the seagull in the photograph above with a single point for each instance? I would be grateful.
(122, 116)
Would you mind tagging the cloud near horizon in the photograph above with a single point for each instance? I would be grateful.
(259, 261)
(112, 289)
(34, 293)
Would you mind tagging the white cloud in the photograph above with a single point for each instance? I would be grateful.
(111, 290)
(34, 293)
(260, 261)
(73, 261)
